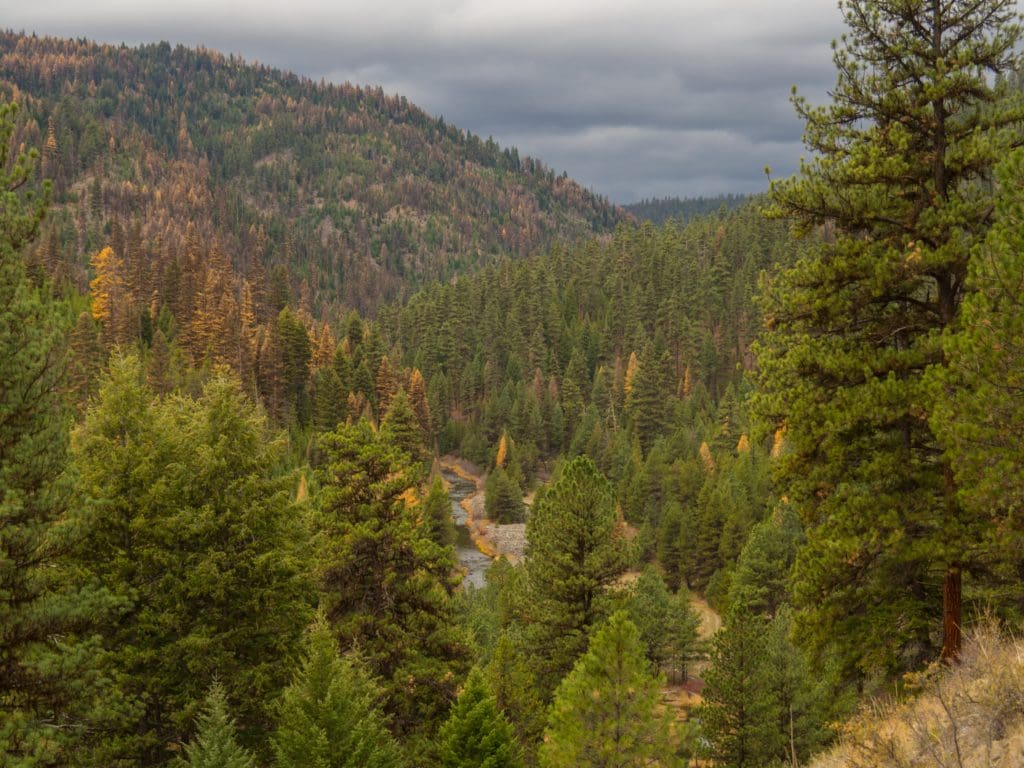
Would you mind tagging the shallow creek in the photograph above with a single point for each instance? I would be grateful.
(472, 559)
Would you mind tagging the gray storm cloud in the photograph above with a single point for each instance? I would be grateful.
(632, 99)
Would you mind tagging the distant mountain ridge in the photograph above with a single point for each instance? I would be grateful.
(359, 196)
(683, 209)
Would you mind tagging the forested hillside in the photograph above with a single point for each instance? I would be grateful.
(764, 464)
(633, 352)
(682, 209)
(357, 195)
(608, 335)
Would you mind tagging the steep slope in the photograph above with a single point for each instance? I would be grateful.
(548, 347)
(359, 194)
(970, 715)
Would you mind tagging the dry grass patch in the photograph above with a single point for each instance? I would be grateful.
(967, 716)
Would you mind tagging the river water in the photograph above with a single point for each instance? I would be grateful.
(470, 558)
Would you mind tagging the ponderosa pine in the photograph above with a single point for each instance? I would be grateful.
(571, 558)
(899, 187)
(980, 414)
(386, 584)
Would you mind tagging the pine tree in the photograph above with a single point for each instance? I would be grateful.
(330, 716)
(215, 745)
(571, 558)
(683, 645)
(270, 381)
(85, 357)
(158, 367)
(402, 427)
(190, 526)
(41, 693)
(514, 683)
(385, 385)
(667, 624)
(806, 698)
(645, 404)
(503, 498)
(607, 712)
(672, 543)
(760, 582)
(477, 734)
(386, 585)
(295, 356)
(329, 399)
(418, 400)
(903, 158)
(648, 609)
(979, 414)
(437, 514)
(739, 714)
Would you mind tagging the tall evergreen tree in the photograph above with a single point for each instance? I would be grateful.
(648, 609)
(571, 558)
(607, 712)
(296, 353)
(684, 644)
(514, 683)
(646, 404)
(980, 414)
(503, 498)
(903, 160)
(672, 544)
(760, 581)
(386, 584)
(329, 399)
(762, 703)
(39, 608)
(739, 714)
(84, 360)
(188, 524)
(806, 699)
(402, 427)
(437, 514)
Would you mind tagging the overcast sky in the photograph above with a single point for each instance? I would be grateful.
(633, 99)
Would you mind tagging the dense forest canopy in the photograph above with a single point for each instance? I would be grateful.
(734, 473)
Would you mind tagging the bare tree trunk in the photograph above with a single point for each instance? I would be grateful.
(792, 738)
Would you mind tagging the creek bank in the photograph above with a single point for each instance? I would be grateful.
(490, 538)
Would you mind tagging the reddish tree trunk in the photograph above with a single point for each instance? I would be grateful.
(951, 611)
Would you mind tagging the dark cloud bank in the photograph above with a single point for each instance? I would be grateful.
(632, 99)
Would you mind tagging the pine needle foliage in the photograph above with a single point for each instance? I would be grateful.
(477, 734)
(215, 745)
(330, 716)
(607, 712)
